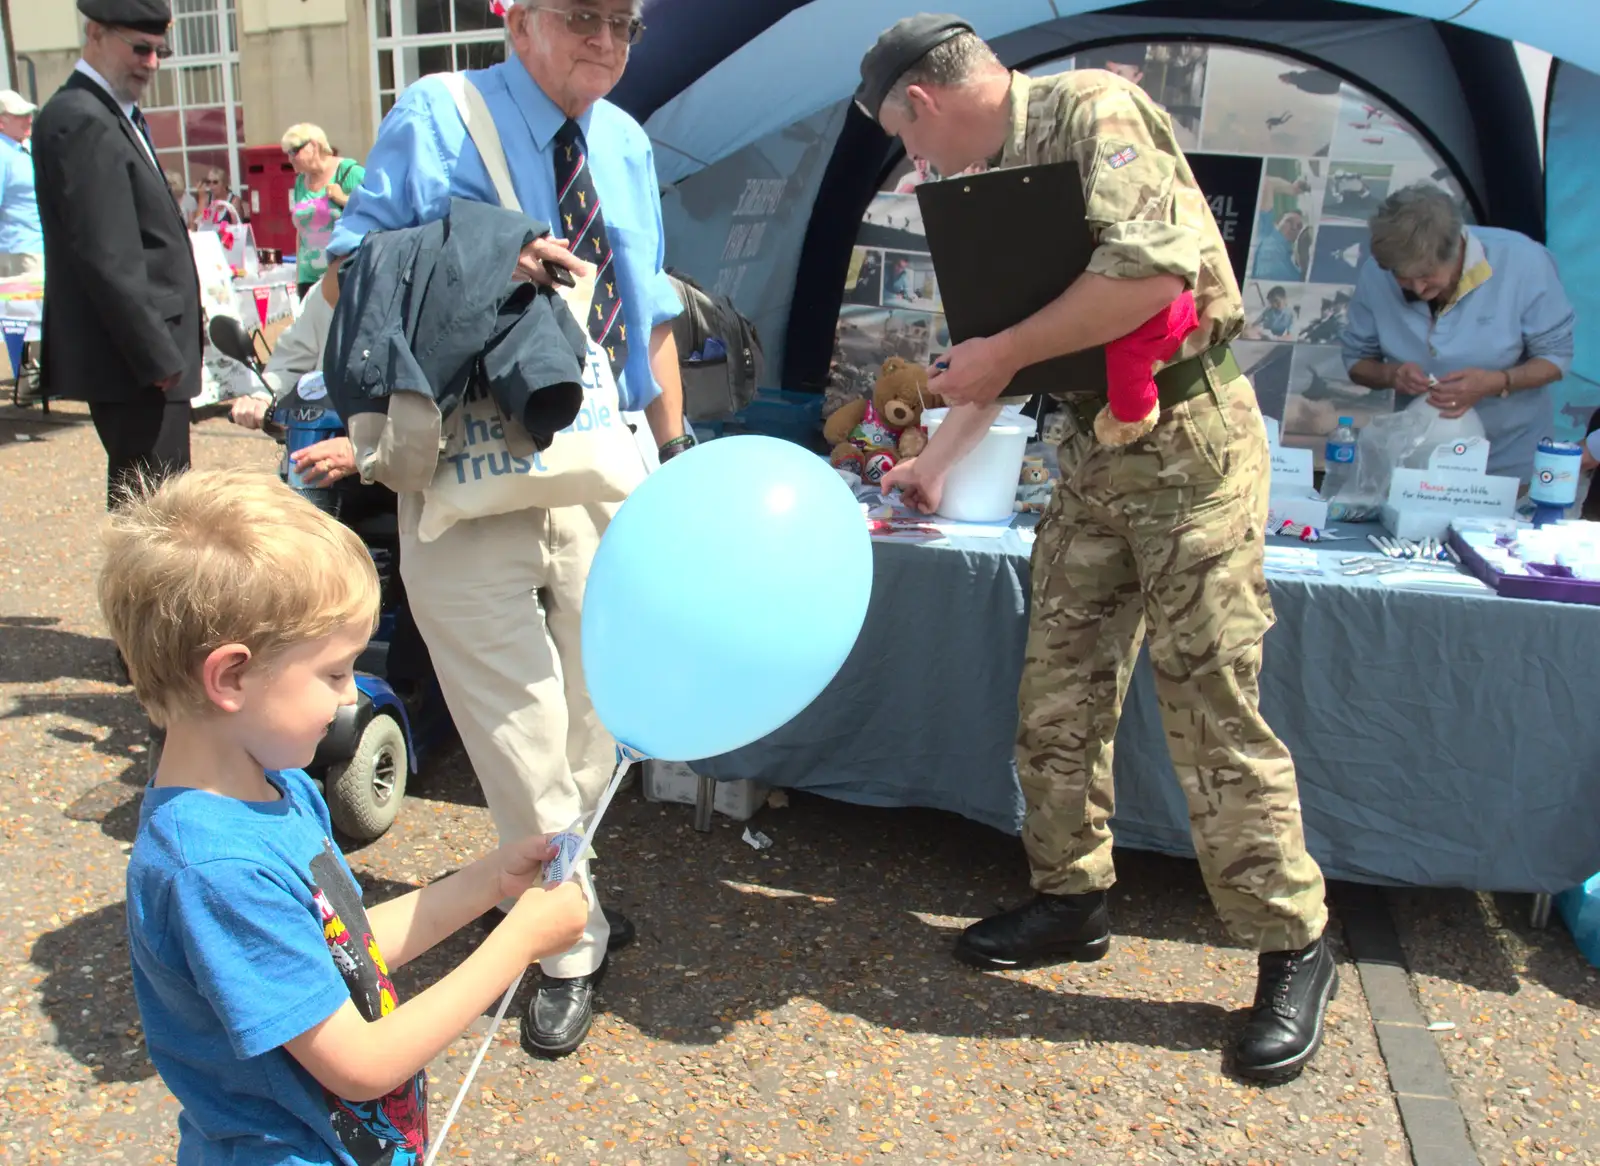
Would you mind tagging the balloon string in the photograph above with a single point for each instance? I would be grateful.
(625, 760)
(483, 1050)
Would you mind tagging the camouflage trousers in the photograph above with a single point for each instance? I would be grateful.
(1167, 536)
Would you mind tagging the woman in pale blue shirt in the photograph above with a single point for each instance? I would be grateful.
(1470, 317)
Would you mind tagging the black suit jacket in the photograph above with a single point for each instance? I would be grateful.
(121, 296)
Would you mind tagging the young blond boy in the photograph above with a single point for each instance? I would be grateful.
(262, 981)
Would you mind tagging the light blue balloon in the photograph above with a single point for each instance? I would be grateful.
(724, 596)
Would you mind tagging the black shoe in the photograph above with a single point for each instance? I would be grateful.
(622, 930)
(1285, 1026)
(1045, 930)
(559, 1014)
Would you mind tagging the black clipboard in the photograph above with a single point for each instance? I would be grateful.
(1004, 244)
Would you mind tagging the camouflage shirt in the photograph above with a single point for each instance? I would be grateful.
(1147, 214)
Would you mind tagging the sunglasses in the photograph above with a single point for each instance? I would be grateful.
(586, 23)
(143, 48)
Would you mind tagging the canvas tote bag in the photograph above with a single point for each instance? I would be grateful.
(595, 459)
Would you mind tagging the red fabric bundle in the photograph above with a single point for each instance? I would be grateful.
(1133, 403)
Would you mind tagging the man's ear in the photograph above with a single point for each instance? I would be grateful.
(222, 674)
(921, 100)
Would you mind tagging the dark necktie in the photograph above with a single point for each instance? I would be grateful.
(144, 129)
(585, 229)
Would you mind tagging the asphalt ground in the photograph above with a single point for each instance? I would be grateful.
(796, 1004)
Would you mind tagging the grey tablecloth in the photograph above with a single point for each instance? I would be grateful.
(1444, 740)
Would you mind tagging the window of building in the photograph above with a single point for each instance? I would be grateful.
(413, 38)
(192, 104)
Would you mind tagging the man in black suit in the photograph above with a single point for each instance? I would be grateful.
(122, 316)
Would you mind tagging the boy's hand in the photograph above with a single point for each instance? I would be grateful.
(522, 864)
(548, 922)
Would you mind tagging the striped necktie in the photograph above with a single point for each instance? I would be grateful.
(585, 229)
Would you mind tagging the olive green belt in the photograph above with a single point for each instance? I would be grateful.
(1175, 384)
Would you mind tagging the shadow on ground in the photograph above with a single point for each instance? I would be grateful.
(34, 650)
(88, 995)
(851, 909)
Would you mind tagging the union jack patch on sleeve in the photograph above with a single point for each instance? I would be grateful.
(1122, 157)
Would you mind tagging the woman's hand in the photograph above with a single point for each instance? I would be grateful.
(1411, 380)
(531, 263)
(1461, 390)
(326, 462)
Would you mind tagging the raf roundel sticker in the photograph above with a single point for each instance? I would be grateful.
(1459, 448)
(1546, 477)
(1122, 157)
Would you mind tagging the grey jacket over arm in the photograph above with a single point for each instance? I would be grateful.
(425, 313)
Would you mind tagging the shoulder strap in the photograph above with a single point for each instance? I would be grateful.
(481, 129)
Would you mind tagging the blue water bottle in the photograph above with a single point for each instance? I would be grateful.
(1339, 456)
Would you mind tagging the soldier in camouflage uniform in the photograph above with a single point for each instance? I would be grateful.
(1163, 536)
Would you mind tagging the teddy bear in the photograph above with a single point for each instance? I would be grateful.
(869, 438)
(1035, 487)
(1133, 404)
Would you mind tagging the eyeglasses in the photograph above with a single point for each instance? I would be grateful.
(143, 48)
(293, 150)
(586, 22)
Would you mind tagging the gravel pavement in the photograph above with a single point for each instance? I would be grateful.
(793, 1005)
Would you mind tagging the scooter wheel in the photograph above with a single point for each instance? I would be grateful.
(365, 793)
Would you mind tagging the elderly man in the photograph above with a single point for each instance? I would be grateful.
(1165, 533)
(498, 599)
(122, 317)
(21, 237)
(1470, 317)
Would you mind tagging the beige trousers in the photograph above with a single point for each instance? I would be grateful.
(498, 601)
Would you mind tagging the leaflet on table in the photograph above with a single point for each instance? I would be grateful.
(902, 524)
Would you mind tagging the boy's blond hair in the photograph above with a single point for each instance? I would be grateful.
(213, 557)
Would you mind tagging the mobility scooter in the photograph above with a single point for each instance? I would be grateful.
(376, 744)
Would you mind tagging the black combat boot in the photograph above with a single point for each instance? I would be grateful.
(1047, 929)
(1285, 1026)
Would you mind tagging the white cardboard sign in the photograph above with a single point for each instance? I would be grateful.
(1291, 468)
(1460, 493)
(1468, 455)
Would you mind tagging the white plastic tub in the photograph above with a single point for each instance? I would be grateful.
(982, 487)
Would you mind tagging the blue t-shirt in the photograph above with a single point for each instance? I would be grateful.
(246, 929)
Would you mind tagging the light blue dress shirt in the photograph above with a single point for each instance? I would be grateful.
(1516, 311)
(423, 158)
(20, 232)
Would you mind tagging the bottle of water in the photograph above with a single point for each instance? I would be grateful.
(1340, 455)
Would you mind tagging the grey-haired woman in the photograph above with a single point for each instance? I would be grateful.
(1470, 317)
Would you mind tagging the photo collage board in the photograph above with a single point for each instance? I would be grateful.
(1293, 160)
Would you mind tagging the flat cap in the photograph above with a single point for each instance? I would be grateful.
(152, 17)
(900, 47)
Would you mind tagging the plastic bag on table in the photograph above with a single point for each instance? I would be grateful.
(1401, 440)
